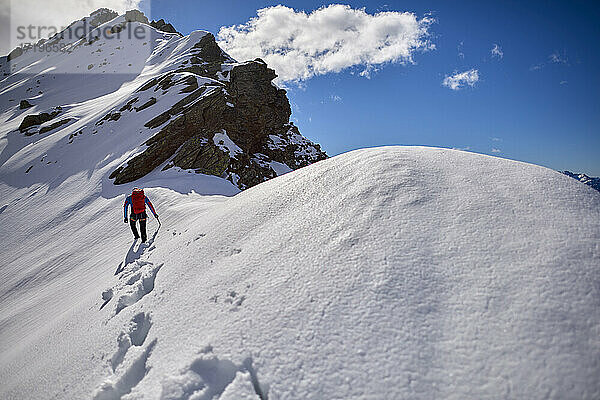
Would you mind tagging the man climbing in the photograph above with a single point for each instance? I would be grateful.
(138, 202)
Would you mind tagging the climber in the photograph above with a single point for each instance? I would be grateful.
(138, 202)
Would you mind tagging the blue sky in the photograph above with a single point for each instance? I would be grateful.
(539, 102)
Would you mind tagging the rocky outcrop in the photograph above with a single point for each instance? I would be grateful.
(197, 110)
(163, 26)
(36, 119)
(234, 128)
(55, 125)
(17, 52)
(208, 50)
(101, 16)
(25, 104)
(136, 16)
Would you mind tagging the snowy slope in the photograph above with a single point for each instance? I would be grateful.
(396, 272)
(56, 79)
(104, 97)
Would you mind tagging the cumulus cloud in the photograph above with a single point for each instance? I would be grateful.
(496, 150)
(51, 14)
(300, 45)
(497, 51)
(460, 79)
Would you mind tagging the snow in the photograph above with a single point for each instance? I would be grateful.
(223, 142)
(279, 168)
(394, 272)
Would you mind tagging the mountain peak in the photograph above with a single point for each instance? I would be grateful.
(140, 99)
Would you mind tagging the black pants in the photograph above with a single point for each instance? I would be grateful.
(142, 218)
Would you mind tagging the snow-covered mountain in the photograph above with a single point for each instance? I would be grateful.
(138, 100)
(583, 178)
(384, 273)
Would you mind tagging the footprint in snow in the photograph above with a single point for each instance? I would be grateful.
(128, 363)
(127, 377)
(232, 298)
(228, 252)
(136, 283)
(209, 377)
(134, 335)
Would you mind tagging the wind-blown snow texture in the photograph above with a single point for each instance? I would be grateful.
(396, 272)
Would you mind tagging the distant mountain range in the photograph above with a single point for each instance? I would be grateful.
(583, 178)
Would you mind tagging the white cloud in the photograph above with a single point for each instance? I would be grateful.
(52, 14)
(564, 82)
(558, 58)
(497, 51)
(335, 37)
(459, 80)
(335, 97)
(496, 139)
(496, 151)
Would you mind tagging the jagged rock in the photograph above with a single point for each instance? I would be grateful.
(129, 105)
(260, 107)
(202, 155)
(246, 171)
(14, 54)
(55, 125)
(208, 50)
(36, 119)
(100, 16)
(146, 104)
(112, 116)
(293, 149)
(252, 112)
(136, 16)
(163, 26)
(25, 104)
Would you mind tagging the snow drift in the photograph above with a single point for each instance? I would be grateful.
(394, 272)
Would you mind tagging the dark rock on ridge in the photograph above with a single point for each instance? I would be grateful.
(163, 26)
(36, 119)
(25, 104)
(252, 113)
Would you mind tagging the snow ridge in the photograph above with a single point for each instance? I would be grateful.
(391, 272)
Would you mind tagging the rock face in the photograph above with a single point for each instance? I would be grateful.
(163, 26)
(194, 109)
(36, 119)
(236, 127)
(25, 104)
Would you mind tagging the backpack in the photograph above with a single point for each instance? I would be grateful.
(138, 203)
